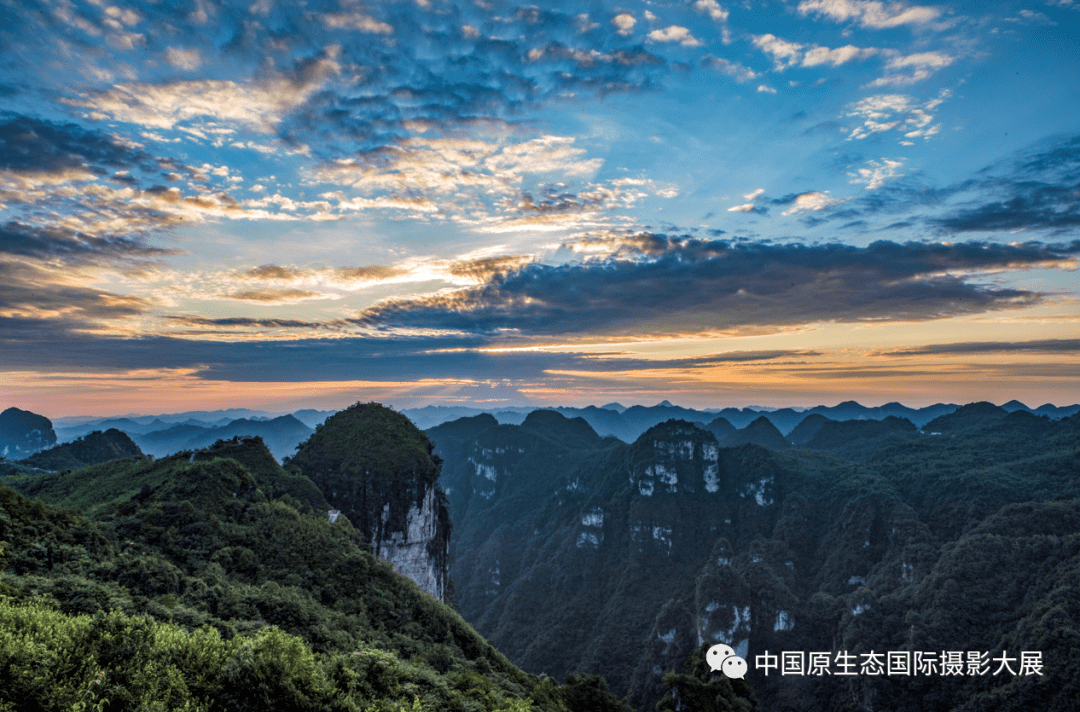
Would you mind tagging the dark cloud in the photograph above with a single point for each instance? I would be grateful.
(33, 147)
(274, 272)
(327, 359)
(37, 303)
(367, 274)
(274, 296)
(73, 247)
(681, 285)
(1038, 207)
(248, 322)
(1036, 189)
(1050, 346)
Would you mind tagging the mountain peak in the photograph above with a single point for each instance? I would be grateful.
(379, 469)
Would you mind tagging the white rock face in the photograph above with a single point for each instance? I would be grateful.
(589, 539)
(784, 621)
(757, 490)
(593, 518)
(408, 550)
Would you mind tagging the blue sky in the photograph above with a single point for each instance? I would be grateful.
(222, 204)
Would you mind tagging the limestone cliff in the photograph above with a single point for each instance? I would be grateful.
(379, 470)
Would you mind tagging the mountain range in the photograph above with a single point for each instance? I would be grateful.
(572, 551)
(610, 565)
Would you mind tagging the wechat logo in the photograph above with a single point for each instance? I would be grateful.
(723, 658)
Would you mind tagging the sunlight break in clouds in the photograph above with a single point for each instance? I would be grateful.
(425, 190)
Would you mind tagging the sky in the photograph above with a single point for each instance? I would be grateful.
(212, 204)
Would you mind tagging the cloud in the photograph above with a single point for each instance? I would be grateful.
(356, 21)
(624, 22)
(905, 70)
(735, 285)
(188, 59)
(33, 150)
(259, 105)
(811, 201)
(835, 57)
(752, 206)
(876, 174)
(58, 243)
(1049, 346)
(734, 70)
(675, 33)
(1033, 190)
(785, 54)
(540, 184)
(1040, 207)
(276, 296)
(713, 9)
(445, 165)
(789, 54)
(40, 302)
(896, 112)
(765, 89)
(870, 13)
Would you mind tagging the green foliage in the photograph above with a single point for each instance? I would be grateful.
(375, 466)
(189, 589)
(92, 449)
(874, 536)
(700, 689)
(590, 693)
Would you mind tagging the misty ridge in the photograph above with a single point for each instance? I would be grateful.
(562, 559)
(164, 434)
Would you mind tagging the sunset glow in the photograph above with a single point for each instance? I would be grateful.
(211, 204)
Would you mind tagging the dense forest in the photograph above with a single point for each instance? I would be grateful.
(599, 570)
(842, 537)
(214, 580)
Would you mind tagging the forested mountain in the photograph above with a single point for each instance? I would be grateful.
(572, 551)
(91, 449)
(23, 433)
(214, 580)
(377, 468)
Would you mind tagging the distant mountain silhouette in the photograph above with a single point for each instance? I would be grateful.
(281, 436)
(759, 432)
(807, 427)
(720, 427)
(969, 417)
(628, 424)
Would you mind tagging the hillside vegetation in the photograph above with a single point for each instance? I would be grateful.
(572, 551)
(213, 580)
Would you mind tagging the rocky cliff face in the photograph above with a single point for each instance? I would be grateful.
(418, 550)
(573, 552)
(379, 470)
